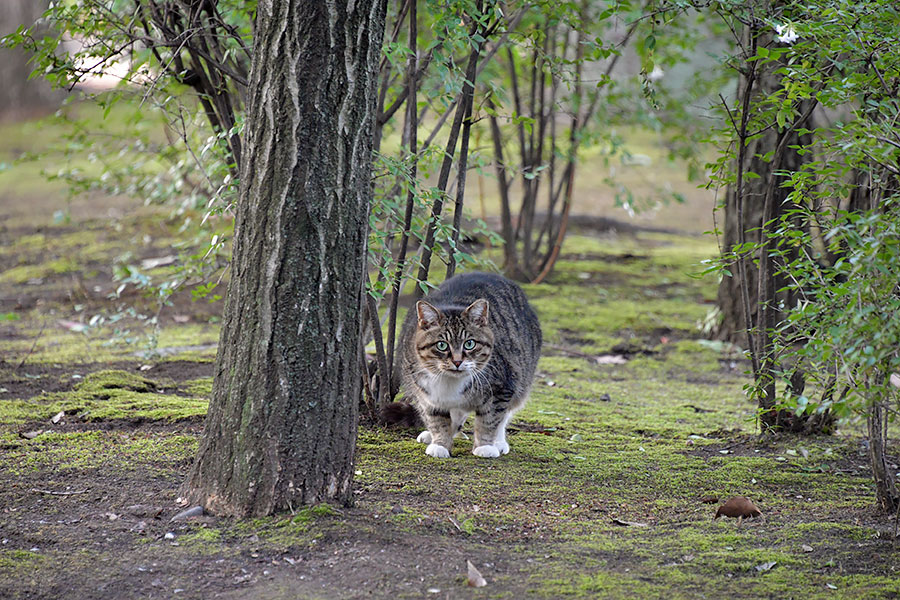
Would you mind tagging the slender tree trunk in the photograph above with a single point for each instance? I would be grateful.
(885, 482)
(281, 428)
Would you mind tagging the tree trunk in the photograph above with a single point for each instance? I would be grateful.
(281, 429)
(20, 97)
(733, 328)
(885, 482)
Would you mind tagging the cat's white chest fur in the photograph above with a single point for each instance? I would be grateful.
(445, 391)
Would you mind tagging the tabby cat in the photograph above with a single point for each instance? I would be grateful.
(470, 346)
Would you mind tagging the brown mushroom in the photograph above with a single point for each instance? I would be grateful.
(737, 507)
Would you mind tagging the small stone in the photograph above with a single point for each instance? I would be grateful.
(30, 435)
(58, 417)
(169, 535)
(111, 516)
(140, 528)
(806, 548)
(605, 398)
(194, 511)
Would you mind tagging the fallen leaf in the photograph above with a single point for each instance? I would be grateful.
(474, 577)
(57, 417)
(629, 523)
(709, 499)
(162, 261)
(611, 359)
(737, 506)
(806, 548)
(30, 435)
(72, 325)
(895, 380)
(830, 587)
(766, 566)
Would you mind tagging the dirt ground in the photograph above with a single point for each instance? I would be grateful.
(638, 428)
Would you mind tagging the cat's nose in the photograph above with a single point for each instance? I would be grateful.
(456, 363)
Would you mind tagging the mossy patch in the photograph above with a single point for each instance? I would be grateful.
(111, 395)
(13, 562)
(200, 388)
(53, 452)
(117, 394)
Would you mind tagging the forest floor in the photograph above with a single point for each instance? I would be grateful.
(637, 429)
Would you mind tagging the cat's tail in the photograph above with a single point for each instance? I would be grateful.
(401, 414)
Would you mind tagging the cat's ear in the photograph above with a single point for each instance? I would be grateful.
(477, 312)
(429, 316)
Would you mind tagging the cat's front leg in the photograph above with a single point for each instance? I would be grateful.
(457, 420)
(490, 435)
(439, 436)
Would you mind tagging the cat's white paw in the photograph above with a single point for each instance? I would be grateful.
(486, 451)
(502, 446)
(436, 450)
(424, 437)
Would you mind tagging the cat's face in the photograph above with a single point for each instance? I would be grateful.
(456, 344)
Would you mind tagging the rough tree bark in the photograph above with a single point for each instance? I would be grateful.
(281, 429)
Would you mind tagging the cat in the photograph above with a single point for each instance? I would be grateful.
(472, 345)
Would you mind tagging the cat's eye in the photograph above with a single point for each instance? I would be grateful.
(469, 345)
(442, 346)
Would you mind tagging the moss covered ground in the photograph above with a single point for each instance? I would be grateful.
(602, 495)
(635, 423)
